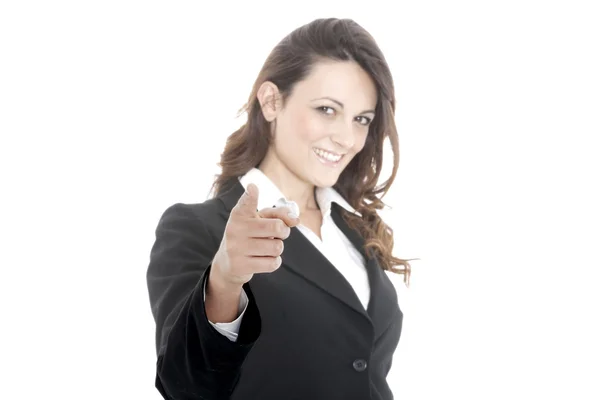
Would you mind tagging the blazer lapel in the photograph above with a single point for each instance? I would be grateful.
(383, 299)
(304, 259)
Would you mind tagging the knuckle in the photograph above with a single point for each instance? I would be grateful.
(278, 245)
(276, 262)
(262, 224)
(281, 226)
(266, 264)
(274, 225)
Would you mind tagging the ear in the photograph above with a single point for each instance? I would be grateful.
(269, 99)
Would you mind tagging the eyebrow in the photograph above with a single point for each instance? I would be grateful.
(339, 103)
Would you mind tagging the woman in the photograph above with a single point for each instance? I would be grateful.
(275, 287)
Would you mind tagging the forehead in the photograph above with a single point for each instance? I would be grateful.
(345, 81)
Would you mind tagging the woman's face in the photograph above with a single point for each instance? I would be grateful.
(325, 122)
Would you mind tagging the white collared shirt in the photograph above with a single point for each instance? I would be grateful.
(334, 245)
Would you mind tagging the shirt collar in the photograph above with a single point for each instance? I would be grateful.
(270, 195)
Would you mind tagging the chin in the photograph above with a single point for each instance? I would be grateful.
(325, 181)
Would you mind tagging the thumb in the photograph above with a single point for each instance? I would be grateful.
(248, 202)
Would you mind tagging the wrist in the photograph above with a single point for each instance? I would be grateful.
(219, 284)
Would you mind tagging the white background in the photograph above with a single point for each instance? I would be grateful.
(111, 111)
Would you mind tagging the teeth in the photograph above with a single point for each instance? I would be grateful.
(326, 155)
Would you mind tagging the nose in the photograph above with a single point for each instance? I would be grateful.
(344, 137)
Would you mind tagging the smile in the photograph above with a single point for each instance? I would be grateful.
(327, 157)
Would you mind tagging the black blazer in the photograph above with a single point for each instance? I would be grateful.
(305, 334)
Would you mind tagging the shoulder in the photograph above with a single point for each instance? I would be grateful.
(209, 216)
(195, 211)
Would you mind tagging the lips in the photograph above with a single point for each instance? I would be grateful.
(327, 155)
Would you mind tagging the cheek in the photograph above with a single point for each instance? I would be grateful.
(297, 130)
(307, 127)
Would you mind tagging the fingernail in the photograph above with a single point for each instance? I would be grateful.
(293, 215)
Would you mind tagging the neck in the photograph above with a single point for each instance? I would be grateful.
(291, 185)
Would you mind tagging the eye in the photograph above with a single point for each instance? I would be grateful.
(365, 120)
(326, 110)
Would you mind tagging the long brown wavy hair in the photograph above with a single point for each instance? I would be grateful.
(290, 62)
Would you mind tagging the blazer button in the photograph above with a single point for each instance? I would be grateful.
(359, 365)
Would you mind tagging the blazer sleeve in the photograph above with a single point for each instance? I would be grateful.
(194, 359)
